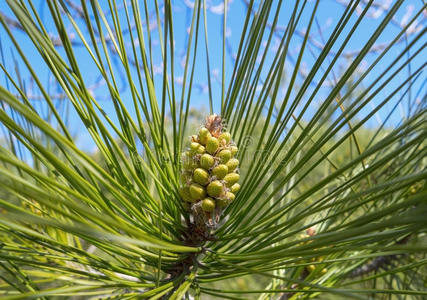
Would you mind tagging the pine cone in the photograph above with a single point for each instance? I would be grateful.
(210, 173)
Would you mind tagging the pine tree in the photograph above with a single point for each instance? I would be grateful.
(316, 202)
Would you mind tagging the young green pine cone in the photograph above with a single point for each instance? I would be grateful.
(210, 171)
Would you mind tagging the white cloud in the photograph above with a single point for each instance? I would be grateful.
(217, 9)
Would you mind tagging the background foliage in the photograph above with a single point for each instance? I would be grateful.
(330, 124)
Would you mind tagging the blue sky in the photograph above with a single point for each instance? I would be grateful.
(327, 15)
